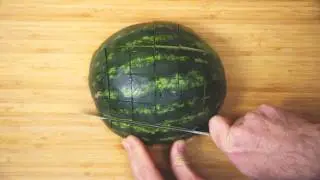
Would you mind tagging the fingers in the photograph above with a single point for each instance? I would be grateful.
(141, 163)
(280, 116)
(268, 111)
(179, 164)
(219, 130)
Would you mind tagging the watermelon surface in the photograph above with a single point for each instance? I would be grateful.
(157, 73)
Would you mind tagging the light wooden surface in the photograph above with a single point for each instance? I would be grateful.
(270, 50)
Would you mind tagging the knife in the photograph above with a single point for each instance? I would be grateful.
(157, 126)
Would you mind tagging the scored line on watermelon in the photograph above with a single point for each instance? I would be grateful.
(159, 73)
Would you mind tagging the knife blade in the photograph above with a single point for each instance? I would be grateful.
(174, 128)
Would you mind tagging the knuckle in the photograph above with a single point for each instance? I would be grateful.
(251, 115)
(229, 143)
(266, 108)
(262, 106)
(271, 112)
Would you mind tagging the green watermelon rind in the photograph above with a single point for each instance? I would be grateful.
(171, 135)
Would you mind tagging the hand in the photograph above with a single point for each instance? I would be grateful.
(269, 143)
(144, 169)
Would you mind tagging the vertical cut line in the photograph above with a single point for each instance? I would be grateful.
(178, 62)
(107, 69)
(178, 84)
(154, 70)
(108, 78)
(179, 32)
(131, 82)
(204, 95)
(178, 35)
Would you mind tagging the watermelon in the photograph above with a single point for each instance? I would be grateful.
(158, 73)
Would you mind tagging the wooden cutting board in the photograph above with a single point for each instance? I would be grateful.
(270, 50)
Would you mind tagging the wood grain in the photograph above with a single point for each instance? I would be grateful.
(270, 50)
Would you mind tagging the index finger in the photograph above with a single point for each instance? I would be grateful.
(140, 160)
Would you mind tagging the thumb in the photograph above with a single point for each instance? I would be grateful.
(179, 164)
(219, 130)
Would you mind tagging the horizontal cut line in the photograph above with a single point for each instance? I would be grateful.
(137, 102)
(168, 47)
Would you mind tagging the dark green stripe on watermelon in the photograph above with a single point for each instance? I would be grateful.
(159, 73)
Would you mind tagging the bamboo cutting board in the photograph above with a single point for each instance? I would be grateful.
(270, 50)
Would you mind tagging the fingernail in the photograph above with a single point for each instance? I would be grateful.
(211, 123)
(181, 145)
(179, 158)
(125, 145)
